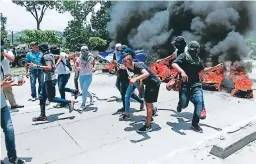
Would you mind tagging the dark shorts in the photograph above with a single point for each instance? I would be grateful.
(151, 93)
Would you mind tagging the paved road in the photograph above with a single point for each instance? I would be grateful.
(96, 136)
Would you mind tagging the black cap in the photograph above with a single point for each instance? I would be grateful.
(43, 47)
(33, 43)
(193, 45)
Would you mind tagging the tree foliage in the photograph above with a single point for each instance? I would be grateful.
(78, 9)
(3, 24)
(251, 43)
(97, 43)
(39, 36)
(38, 8)
(99, 21)
(76, 34)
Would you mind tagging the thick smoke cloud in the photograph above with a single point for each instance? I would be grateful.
(220, 27)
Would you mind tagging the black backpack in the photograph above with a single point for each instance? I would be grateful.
(68, 64)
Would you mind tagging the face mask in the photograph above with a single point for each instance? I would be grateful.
(84, 53)
(193, 52)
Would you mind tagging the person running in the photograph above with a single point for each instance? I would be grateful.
(76, 77)
(63, 71)
(6, 120)
(188, 64)
(48, 89)
(129, 91)
(151, 82)
(86, 66)
(34, 56)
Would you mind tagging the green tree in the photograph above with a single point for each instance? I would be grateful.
(76, 34)
(3, 24)
(78, 9)
(99, 21)
(97, 43)
(38, 8)
(39, 36)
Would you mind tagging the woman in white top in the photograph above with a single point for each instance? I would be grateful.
(63, 72)
(86, 66)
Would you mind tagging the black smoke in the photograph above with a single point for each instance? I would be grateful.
(220, 27)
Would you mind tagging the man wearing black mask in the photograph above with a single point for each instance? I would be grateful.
(48, 89)
(189, 65)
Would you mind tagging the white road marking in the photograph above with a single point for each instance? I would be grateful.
(232, 128)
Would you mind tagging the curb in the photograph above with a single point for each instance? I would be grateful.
(234, 143)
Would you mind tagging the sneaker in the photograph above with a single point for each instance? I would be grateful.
(142, 106)
(179, 109)
(197, 128)
(71, 106)
(155, 110)
(203, 114)
(17, 161)
(47, 102)
(33, 99)
(17, 106)
(144, 129)
(40, 118)
(124, 117)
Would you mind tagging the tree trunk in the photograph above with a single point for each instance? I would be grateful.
(37, 25)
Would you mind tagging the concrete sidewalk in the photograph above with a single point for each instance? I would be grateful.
(96, 136)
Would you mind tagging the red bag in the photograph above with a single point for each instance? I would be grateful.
(174, 83)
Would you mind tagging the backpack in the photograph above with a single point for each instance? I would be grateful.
(68, 64)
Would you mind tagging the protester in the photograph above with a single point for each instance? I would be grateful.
(34, 57)
(5, 61)
(63, 72)
(76, 77)
(188, 64)
(48, 89)
(6, 121)
(86, 66)
(150, 80)
(129, 91)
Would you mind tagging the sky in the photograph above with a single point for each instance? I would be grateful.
(19, 19)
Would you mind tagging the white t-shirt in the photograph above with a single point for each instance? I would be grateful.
(61, 68)
(86, 66)
(6, 64)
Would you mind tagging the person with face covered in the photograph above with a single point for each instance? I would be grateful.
(189, 65)
(48, 88)
(63, 72)
(86, 66)
(180, 44)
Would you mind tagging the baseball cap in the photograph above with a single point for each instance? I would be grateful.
(33, 43)
(129, 51)
(193, 45)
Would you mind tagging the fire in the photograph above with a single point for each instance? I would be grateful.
(214, 78)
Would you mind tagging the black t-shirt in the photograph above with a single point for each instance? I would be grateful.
(192, 67)
(151, 80)
(122, 73)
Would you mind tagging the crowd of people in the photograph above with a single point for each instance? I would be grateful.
(50, 66)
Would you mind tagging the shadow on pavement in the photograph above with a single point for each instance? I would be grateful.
(185, 124)
(53, 118)
(138, 122)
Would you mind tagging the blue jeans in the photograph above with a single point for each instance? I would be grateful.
(85, 82)
(128, 96)
(195, 95)
(6, 124)
(62, 82)
(34, 75)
